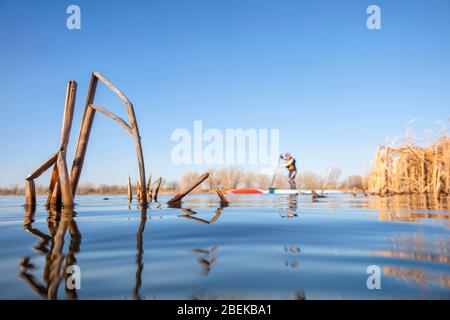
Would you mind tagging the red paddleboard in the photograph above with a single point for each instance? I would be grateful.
(246, 191)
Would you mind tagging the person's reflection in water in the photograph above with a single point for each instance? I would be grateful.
(207, 258)
(140, 254)
(291, 210)
(58, 224)
(291, 250)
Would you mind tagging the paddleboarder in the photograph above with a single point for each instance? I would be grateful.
(289, 163)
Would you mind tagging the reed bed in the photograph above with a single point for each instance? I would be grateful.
(411, 169)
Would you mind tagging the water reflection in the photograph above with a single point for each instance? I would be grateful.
(417, 275)
(409, 208)
(206, 258)
(140, 254)
(291, 210)
(416, 248)
(189, 213)
(52, 246)
(292, 251)
(406, 251)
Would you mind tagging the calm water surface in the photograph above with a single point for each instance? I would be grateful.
(268, 246)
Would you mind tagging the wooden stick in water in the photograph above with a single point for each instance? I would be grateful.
(157, 184)
(119, 120)
(138, 191)
(51, 187)
(135, 131)
(149, 188)
(219, 192)
(69, 108)
(30, 194)
(64, 180)
(85, 130)
(130, 192)
(43, 167)
(182, 194)
(55, 201)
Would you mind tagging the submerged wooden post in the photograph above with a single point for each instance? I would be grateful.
(64, 180)
(85, 130)
(180, 195)
(138, 191)
(157, 185)
(69, 107)
(130, 192)
(150, 189)
(219, 192)
(135, 132)
(30, 194)
(59, 179)
(55, 200)
(51, 187)
(86, 126)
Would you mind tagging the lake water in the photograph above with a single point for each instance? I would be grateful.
(258, 247)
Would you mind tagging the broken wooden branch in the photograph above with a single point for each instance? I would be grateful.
(107, 113)
(60, 178)
(55, 200)
(83, 138)
(149, 188)
(138, 191)
(194, 184)
(88, 118)
(135, 131)
(61, 165)
(197, 182)
(43, 167)
(130, 192)
(64, 180)
(53, 180)
(30, 194)
(156, 185)
(69, 107)
(219, 192)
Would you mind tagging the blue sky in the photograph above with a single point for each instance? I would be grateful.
(335, 89)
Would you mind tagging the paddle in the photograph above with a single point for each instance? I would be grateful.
(274, 175)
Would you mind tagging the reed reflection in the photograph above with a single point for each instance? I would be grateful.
(418, 276)
(58, 222)
(140, 254)
(417, 248)
(206, 258)
(189, 213)
(408, 208)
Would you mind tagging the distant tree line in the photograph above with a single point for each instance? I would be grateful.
(228, 178)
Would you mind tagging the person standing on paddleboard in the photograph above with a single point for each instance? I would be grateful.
(289, 163)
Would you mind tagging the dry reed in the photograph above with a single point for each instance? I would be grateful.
(412, 169)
